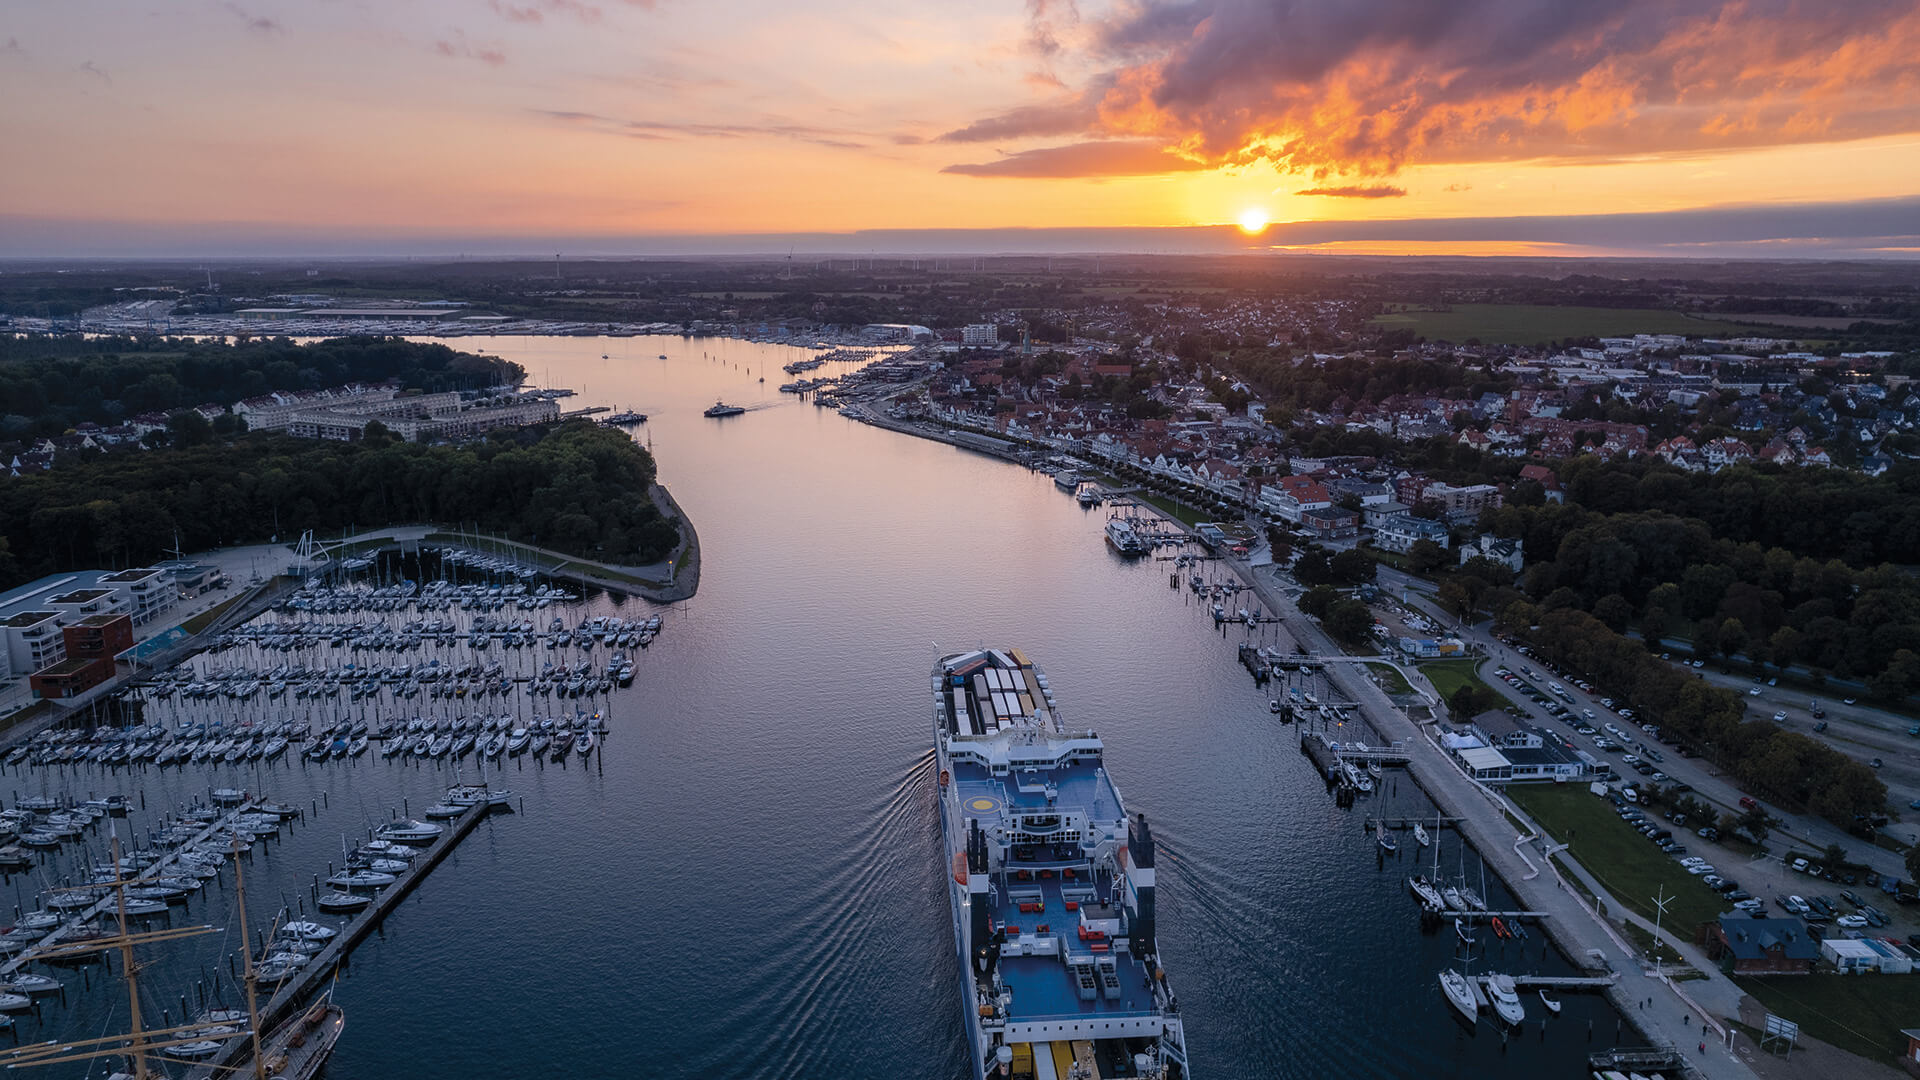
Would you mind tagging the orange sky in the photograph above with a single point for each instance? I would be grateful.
(614, 116)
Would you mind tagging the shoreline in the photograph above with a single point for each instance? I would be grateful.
(1578, 933)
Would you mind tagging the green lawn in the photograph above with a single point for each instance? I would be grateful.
(1390, 678)
(204, 619)
(1178, 511)
(1623, 861)
(1448, 676)
(1527, 324)
(1861, 1014)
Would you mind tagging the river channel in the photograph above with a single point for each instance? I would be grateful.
(747, 880)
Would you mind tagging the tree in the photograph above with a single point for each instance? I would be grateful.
(1899, 677)
(1313, 568)
(1757, 823)
(1732, 638)
(1614, 610)
(1317, 600)
(376, 434)
(1913, 863)
(1349, 621)
(1425, 556)
(189, 428)
(1352, 567)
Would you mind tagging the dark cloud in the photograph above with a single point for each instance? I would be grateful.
(536, 11)
(1369, 85)
(671, 129)
(1030, 121)
(1045, 20)
(455, 46)
(259, 24)
(1356, 191)
(1087, 159)
(88, 67)
(1883, 228)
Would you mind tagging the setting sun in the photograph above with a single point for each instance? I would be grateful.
(1253, 219)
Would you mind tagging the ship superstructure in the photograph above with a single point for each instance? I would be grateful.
(1051, 882)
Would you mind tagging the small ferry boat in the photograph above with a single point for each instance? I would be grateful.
(721, 408)
(1125, 540)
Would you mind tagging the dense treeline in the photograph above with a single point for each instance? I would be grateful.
(1317, 385)
(49, 384)
(1669, 575)
(1784, 766)
(574, 487)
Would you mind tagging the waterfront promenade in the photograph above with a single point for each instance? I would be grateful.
(1667, 1012)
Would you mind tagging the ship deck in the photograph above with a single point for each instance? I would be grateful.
(992, 799)
(1035, 962)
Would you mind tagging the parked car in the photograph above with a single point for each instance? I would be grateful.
(1851, 922)
(1754, 692)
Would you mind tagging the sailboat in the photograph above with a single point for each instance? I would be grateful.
(1552, 1005)
(141, 1047)
(1420, 835)
(1386, 841)
(1460, 994)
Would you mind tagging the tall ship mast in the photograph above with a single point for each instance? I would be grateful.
(294, 1051)
(1052, 886)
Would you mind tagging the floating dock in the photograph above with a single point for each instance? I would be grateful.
(320, 970)
(108, 903)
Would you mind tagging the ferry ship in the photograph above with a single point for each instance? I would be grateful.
(1125, 538)
(721, 408)
(1052, 886)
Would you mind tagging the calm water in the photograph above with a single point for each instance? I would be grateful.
(747, 881)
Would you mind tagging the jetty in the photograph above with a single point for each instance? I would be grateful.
(108, 900)
(319, 971)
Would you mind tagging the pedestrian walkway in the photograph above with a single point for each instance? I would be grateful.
(1657, 1006)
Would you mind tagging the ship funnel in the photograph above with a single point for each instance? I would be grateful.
(1140, 884)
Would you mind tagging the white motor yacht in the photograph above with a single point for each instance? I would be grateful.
(1506, 1001)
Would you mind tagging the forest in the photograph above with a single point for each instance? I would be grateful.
(573, 487)
(50, 384)
(1786, 767)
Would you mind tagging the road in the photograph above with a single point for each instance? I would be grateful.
(1708, 782)
(1860, 731)
(1674, 1012)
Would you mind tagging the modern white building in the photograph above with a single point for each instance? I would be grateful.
(30, 640)
(980, 334)
(147, 591)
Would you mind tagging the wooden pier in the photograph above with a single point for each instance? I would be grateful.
(1410, 822)
(1564, 982)
(1632, 1059)
(293, 993)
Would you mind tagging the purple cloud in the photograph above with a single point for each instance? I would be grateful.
(1357, 191)
(1086, 159)
(1369, 85)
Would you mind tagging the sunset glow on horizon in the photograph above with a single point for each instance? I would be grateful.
(628, 117)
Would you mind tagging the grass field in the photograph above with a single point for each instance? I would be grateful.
(1862, 1014)
(1448, 676)
(1625, 863)
(1390, 678)
(1526, 324)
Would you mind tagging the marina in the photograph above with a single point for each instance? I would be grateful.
(865, 522)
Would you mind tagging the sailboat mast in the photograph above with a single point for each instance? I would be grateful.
(135, 1047)
(253, 1018)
